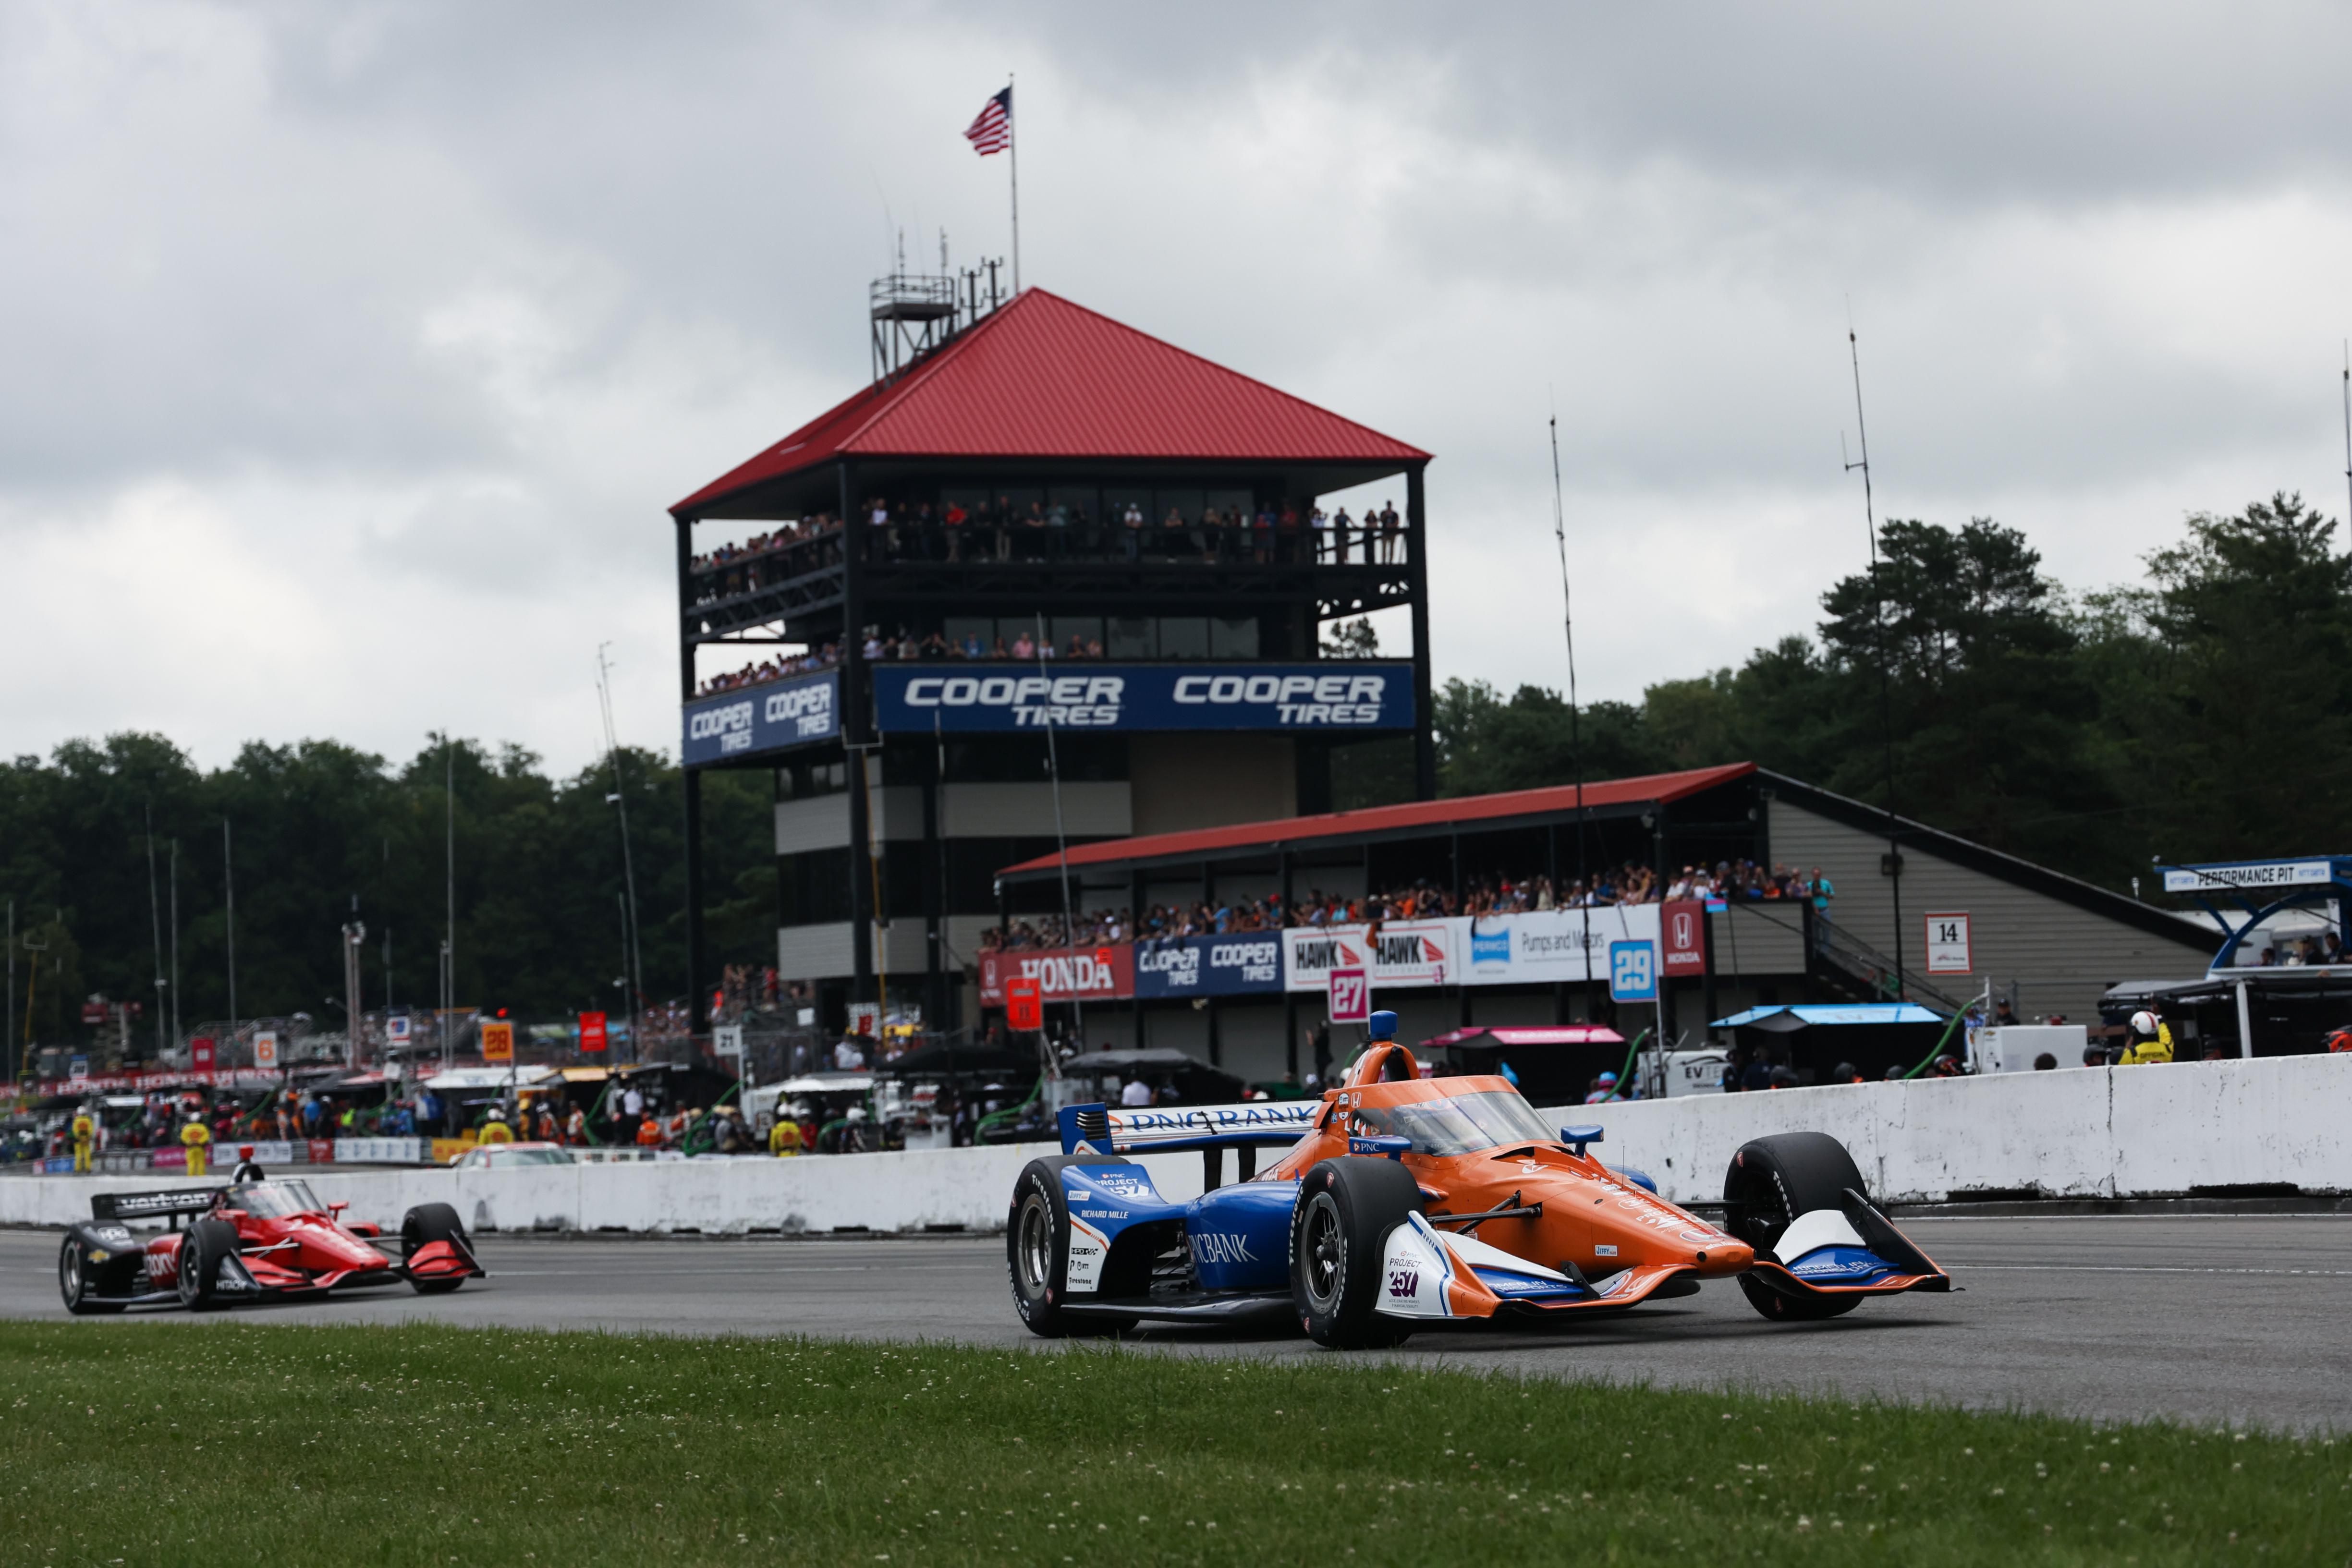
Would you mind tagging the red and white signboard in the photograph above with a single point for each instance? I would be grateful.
(264, 1047)
(200, 1053)
(1948, 945)
(592, 1031)
(1025, 1008)
(1351, 997)
(865, 1018)
(1682, 933)
(1087, 974)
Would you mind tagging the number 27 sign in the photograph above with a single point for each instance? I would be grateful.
(1351, 997)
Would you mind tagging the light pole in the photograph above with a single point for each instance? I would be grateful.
(354, 934)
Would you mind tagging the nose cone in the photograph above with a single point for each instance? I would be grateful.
(1724, 1256)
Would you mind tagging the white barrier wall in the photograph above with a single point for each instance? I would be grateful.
(2118, 1131)
(2084, 1132)
(970, 1187)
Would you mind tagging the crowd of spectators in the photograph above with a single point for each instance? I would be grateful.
(1006, 529)
(1742, 881)
(767, 559)
(776, 669)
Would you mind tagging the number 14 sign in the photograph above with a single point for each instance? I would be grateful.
(1948, 945)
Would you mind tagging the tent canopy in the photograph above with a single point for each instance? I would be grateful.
(1789, 1019)
(1562, 1034)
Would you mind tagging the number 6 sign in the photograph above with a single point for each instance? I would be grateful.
(1351, 997)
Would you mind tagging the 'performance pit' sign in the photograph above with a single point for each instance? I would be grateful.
(763, 718)
(1353, 697)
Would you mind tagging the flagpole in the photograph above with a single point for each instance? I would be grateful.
(1013, 146)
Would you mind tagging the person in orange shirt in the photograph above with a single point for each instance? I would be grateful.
(649, 1133)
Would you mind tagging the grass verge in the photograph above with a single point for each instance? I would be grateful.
(210, 1444)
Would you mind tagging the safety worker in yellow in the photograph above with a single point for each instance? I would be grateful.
(2150, 1039)
(196, 1138)
(495, 1130)
(85, 1138)
(784, 1138)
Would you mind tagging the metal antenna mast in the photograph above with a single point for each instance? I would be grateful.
(1062, 848)
(1878, 625)
(1575, 740)
(156, 918)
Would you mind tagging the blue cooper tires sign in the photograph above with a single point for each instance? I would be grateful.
(763, 718)
(1353, 697)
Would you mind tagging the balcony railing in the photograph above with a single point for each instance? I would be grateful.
(1029, 544)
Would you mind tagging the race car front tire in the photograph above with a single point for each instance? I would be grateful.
(209, 1242)
(1773, 1181)
(1339, 1234)
(74, 1280)
(1037, 1256)
(420, 1228)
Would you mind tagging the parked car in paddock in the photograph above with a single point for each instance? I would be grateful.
(250, 1241)
(1406, 1203)
(512, 1156)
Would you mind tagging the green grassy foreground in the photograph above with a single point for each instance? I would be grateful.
(211, 1444)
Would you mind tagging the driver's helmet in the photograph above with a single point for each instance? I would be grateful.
(2341, 1040)
(498, 1113)
(2143, 1024)
(245, 1151)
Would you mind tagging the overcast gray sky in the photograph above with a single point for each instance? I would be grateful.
(353, 351)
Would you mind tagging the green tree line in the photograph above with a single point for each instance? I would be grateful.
(2199, 714)
(318, 829)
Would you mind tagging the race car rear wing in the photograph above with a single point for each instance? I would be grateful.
(1165, 1129)
(173, 1204)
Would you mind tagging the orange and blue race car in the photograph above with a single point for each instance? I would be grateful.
(255, 1241)
(1405, 1203)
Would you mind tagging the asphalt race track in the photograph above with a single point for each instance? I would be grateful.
(2211, 1318)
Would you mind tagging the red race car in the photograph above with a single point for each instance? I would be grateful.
(254, 1241)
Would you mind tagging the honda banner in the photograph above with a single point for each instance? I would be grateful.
(1063, 973)
(1682, 929)
(1209, 965)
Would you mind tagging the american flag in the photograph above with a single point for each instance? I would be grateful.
(992, 130)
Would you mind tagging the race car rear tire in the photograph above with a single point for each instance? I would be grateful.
(421, 1227)
(1782, 1308)
(74, 1281)
(1339, 1234)
(1037, 1255)
(209, 1242)
(1773, 1180)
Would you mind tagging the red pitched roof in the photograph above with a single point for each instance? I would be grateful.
(1044, 377)
(1290, 831)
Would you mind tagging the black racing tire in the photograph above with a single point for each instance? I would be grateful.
(74, 1281)
(1773, 1180)
(1339, 1234)
(1782, 1308)
(1037, 1255)
(423, 1225)
(209, 1243)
